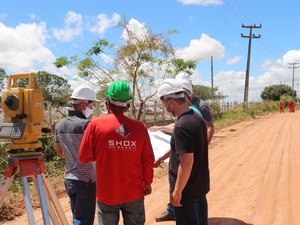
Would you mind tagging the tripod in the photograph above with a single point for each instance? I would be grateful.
(34, 167)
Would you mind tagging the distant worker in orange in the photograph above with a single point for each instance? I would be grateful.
(281, 107)
(294, 106)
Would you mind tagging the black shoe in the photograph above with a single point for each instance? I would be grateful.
(165, 217)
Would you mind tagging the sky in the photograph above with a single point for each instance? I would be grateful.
(33, 33)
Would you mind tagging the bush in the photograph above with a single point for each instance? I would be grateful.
(215, 110)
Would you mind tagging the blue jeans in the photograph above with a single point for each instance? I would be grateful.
(83, 201)
(193, 212)
(133, 213)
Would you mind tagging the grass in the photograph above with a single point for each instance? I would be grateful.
(238, 114)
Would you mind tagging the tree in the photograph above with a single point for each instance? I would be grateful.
(274, 92)
(143, 58)
(204, 92)
(3, 74)
(55, 88)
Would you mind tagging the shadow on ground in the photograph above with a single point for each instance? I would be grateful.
(226, 221)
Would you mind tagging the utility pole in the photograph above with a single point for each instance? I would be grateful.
(293, 66)
(212, 77)
(250, 36)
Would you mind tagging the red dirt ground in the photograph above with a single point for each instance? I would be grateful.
(254, 168)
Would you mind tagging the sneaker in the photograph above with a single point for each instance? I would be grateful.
(165, 217)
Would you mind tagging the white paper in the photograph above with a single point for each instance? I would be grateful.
(160, 143)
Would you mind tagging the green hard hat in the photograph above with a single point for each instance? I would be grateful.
(119, 90)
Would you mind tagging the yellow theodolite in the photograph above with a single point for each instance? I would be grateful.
(22, 105)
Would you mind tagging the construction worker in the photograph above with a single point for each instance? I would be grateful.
(80, 178)
(280, 107)
(291, 106)
(188, 164)
(124, 159)
(197, 105)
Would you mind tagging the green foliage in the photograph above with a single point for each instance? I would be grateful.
(184, 66)
(138, 59)
(238, 113)
(61, 62)
(285, 99)
(205, 93)
(216, 110)
(16, 185)
(274, 92)
(3, 155)
(3, 75)
(55, 88)
(99, 47)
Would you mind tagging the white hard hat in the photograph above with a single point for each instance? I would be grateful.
(185, 82)
(84, 93)
(169, 87)
(183, 76)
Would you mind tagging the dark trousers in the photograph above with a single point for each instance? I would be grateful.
(133, 213)
(193, 212)
(83, 201)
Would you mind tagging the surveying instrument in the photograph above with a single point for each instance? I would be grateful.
(22, 105)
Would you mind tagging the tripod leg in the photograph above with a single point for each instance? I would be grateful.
(51, 210)
(54, 200)
(43, 202)
(4, 186)
(27, 199)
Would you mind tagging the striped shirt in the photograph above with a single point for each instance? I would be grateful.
(69, 133)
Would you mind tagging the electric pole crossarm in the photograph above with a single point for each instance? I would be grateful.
(293, 67)
(253, 36)
(250, 36)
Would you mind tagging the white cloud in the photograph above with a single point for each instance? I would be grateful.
(291, 56)
(22, 48)
(201, 2)
(232, 83)
(137, 28)
(202, 49)
(107, 59)
(72, 28)
(233, 60)
(104, 23)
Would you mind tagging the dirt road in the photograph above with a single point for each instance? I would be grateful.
(254, 167)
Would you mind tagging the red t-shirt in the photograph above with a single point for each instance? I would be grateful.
(124, 157)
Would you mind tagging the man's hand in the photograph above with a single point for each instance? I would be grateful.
(158, 162)
(176, 198)
(154, 128)
(59, 150)
(147, 189)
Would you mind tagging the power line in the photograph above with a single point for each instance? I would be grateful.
(250, 36)
(294, 66)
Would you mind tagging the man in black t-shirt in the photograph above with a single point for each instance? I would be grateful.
(188, 165)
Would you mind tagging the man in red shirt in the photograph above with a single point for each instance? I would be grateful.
(281, 107)
(124, 159)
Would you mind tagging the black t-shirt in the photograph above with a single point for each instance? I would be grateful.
(190, 136)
